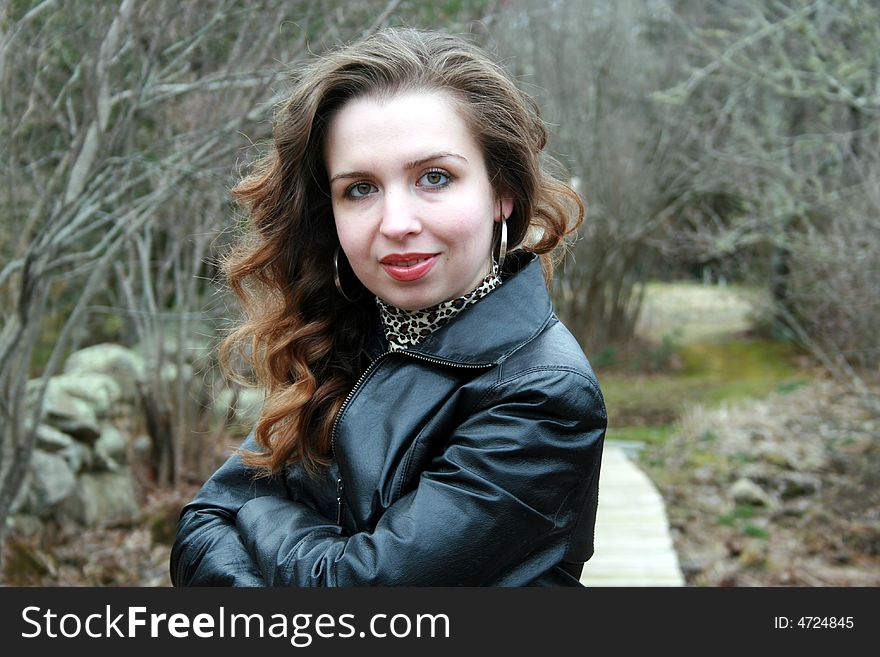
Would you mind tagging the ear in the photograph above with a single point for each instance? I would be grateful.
(506, 208)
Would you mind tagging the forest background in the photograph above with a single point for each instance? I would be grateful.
(728, 156)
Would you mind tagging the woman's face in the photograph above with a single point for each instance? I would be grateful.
(412, 202)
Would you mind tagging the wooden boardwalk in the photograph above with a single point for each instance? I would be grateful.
(633, 546)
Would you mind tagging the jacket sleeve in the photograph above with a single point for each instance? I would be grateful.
(208, 550)
(510, 485)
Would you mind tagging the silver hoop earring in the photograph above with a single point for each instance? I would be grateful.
(337, 280)
(502, 247)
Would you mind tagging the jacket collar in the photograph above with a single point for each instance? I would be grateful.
(499, 323)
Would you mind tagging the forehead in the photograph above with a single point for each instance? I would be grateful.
(401, 127)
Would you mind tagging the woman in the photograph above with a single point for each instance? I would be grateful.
(428, 420)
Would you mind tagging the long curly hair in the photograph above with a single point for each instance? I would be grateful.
(302, 340)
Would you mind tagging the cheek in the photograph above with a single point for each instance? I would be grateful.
(347, 233)
(468, 223)
(356, 246)
(473, 228)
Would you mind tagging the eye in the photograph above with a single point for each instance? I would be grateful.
(434, 179)
(360, 190)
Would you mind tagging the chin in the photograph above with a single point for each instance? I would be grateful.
(411, 304)
(410, 301)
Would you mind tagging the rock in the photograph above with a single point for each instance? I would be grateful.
(100, 391)
(788, 483)
(66, 412)
(123, 365)
(693, 564)
(79, 457)
(761, 473)
(111, 449)
(51, 481)
(796, 456)
(101, 499)
(26, 525)
(51, 440)
(142, 446)
(794, 484)
(746, 492)
(796, 508)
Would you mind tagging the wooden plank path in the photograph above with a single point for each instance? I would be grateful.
(633, 546)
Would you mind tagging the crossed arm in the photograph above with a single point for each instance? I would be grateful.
(506, 491)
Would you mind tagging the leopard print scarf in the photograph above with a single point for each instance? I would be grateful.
(406, 328)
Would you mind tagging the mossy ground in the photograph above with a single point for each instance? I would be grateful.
(697, 348)
(713, 402)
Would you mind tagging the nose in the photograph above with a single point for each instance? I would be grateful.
(399, 216)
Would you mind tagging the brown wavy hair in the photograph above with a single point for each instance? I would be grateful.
(301, 338)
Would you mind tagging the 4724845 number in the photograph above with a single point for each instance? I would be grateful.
(814, 622)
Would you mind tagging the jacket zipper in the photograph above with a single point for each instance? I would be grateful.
(339, 501)
(408, 354)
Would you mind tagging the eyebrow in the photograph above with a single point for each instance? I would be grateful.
(409, 165)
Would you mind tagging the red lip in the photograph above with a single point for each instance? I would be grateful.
(408, 267)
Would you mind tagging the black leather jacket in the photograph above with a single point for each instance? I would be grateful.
(472, 459)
